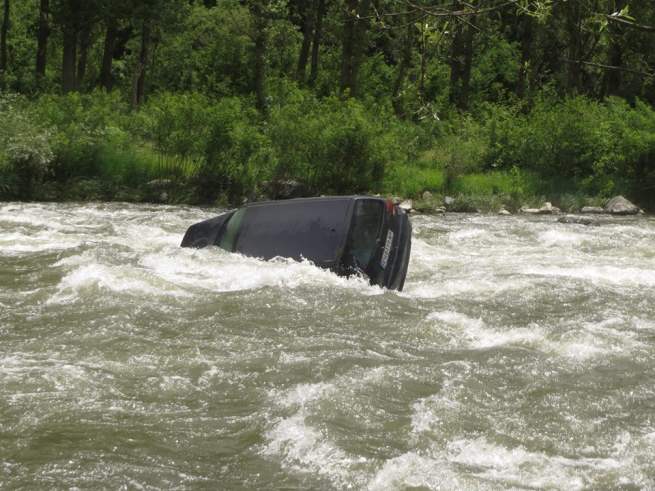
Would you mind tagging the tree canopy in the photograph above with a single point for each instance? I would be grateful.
(428, 68)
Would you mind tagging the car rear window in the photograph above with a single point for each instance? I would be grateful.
(313, 230)
(367, 221)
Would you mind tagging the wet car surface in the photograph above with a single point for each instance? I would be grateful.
(345, 234)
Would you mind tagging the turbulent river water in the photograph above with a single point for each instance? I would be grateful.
(520, 355)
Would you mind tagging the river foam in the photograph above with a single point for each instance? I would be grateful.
(519, 355)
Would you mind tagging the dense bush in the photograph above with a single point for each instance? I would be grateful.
(80, 126)
(334, 146)
(224, 149)
(26, 154)
(598, 148)
(237, 154)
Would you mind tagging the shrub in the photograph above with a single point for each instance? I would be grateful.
(237, 154)
(79, 125)
(333, 146)
(25, 151)
(176, 124)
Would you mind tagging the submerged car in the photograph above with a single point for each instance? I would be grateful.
(347, 235)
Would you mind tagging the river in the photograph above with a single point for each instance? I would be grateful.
(520, 355)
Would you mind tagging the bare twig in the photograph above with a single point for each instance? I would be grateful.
(623, 21)
(610, 67)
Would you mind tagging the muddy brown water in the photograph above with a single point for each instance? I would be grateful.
(520, 355)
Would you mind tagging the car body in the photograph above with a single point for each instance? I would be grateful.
(345, 234)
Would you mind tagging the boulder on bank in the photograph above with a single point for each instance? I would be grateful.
(461, 204)
(407, 205)
(285, 189)
(503, 211)
(157, 190)
(621, 206)
(546, 209)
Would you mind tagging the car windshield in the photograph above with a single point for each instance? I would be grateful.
(232, 230)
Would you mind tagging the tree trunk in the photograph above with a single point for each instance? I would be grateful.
(461, 59)
(42, 39)
(405, 61)
(3, 38)
(316, 42)
(307, 31)
(85, 41)
(260, 60)
(347, 56)
(138, 88)
(574, 28)
(526, 55)
(612, 79)
(69, 58)
(423, 68)
(106, 79)
(353, 44)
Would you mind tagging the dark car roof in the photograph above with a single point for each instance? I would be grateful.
(347, 234)
(311, 228)
(300, 201)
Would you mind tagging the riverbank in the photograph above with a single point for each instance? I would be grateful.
(170, 192)
(189, 148)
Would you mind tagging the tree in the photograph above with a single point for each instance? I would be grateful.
(138, 84)
(403, 65)
(75, 18)
(355, 25)
(316, 40)
(42, 38)
(308, 15)
(4, 31)
(461, 59)
(260, 37)
(147, 16)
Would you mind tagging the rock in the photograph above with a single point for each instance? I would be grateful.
(503, 211)
(621, 206)
(548, 209)
(406, 205)
(163, 197)
(427, 195)
(159, 183)
(579, 220)
(425, 208)
(287, 189)
(592, 210)
(449, 201)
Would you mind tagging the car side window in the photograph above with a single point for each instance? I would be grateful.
(367, 220)
(232, 230)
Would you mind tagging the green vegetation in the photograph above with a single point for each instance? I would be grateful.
(494, 103)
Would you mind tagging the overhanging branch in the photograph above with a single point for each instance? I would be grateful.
(625, 22)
